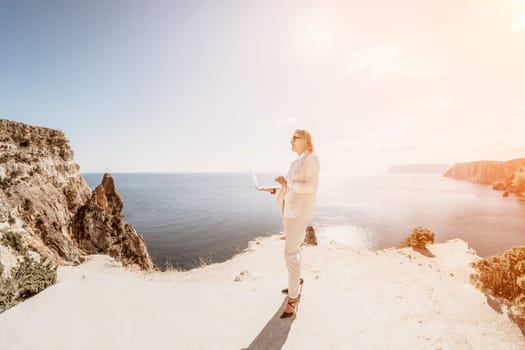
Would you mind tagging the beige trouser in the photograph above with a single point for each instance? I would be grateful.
(295, 233)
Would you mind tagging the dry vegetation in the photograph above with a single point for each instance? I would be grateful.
(13, 240)
(418, 240)
(25, 279)
(503, 278)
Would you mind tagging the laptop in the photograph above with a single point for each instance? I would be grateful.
(262, 188)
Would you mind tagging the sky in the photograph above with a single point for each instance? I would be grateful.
(219, 86)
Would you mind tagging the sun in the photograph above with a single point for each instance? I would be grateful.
(519, 22)
(517, 8)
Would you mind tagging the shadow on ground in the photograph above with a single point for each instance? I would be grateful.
(497, 306)
(274, 334)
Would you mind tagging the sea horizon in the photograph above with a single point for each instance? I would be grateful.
(186, 218)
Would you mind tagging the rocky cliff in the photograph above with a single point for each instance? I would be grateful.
(485, 171)
(506, 176)
(98, 227)
(514, 183)
(48, 208)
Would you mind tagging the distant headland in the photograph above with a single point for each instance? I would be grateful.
(507, 176)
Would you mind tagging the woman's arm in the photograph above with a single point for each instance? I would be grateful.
(311, 177)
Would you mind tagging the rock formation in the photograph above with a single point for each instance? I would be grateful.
(310, 238)
(45, 201)
(514, 183)
(506, 176)
(98, 227)
(485, 171)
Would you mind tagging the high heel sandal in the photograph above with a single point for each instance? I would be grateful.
(293, 303)
(285, 290)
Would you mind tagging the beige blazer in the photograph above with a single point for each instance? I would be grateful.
(297, 201)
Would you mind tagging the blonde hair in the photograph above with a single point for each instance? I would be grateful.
(307, 138)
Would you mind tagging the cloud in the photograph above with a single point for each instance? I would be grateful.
(391, 60)
(285, 122)
(435, 104)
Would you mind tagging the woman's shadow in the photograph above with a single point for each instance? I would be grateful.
(274, 334)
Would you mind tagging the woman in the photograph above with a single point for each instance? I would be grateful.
(296, 200)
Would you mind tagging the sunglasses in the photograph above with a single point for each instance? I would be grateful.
(295, 138)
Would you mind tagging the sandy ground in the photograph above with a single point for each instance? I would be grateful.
(351, 299)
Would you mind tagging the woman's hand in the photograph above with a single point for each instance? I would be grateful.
(281, 180)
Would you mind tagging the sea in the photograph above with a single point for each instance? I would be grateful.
(192, 219)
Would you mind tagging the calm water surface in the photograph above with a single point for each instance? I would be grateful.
(185, 218)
